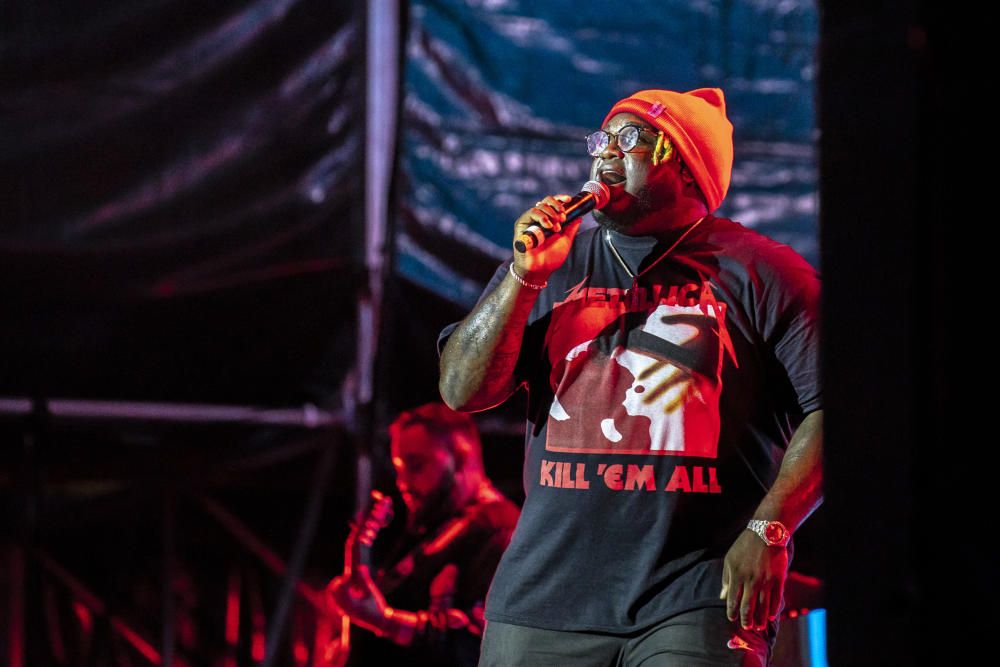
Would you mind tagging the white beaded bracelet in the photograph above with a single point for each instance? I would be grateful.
(525, 282)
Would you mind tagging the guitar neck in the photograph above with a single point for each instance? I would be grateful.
(357, 549)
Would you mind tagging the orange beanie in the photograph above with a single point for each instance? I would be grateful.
(696, 123)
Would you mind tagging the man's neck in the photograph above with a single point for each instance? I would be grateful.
(663, 226)
(664, 233)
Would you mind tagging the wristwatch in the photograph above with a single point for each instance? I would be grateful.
(773, 533)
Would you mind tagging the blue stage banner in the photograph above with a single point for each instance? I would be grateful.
(500, 93)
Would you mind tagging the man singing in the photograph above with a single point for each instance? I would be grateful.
(674, 431)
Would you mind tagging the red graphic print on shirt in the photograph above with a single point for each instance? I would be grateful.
(637, 373)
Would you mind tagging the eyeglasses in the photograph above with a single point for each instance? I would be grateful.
(628, 139)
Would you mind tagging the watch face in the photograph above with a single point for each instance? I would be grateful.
(774, 533)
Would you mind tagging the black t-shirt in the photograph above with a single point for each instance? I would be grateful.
(657, 422)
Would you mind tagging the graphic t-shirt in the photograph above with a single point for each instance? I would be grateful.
(657, 419)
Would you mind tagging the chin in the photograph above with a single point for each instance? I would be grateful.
(604, 221)
(619, 223)
(635, 207)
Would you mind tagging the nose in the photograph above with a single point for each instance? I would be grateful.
(612, 149)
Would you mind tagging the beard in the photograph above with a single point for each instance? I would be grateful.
(433, 509)
(640, 207)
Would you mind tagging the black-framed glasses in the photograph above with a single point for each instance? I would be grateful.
(628, 139)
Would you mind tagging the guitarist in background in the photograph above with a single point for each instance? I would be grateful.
(427, 595)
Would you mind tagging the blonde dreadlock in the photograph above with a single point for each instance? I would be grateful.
(664, 149)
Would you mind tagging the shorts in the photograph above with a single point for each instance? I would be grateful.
(697, 638)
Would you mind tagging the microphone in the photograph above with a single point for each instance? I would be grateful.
(594, 194)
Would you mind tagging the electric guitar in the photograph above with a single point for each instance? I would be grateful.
(357, 553)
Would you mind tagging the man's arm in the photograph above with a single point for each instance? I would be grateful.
(450, 633)
(753, 575)
(359, 598)
(477, 363)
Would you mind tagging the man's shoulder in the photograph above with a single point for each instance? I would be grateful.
(493, 515)
(752, 248)
(735, 236)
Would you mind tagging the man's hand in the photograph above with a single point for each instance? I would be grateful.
(753, 580)
(360, 599)
(537, 264)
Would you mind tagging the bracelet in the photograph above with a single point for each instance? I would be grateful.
(525, 282)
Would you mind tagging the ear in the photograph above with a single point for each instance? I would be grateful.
(686, 174)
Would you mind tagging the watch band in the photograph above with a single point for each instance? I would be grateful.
(774, 533)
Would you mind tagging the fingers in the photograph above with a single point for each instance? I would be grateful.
(554, 201)
(544, 219)
(747, 606)
(757, 605)
(725, 581)
(548, 213)
(543, 251)
(775, 607)
(762, 607)
(335, 592)
(733, 600)
(754, 606)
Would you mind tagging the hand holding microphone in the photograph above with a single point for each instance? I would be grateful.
(594, 194)
(541, 241)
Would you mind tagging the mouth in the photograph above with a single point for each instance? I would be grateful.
(612, 177)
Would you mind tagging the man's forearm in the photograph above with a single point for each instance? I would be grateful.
(477, 363)
(425, 627)
(798, 489)
(400, 626)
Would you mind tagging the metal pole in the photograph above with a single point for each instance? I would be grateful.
(116, 625)
(15, 634)
(297, 562)
(381, 110)
(27, 640)
(256, 546)
(169, 565)
(305, 416)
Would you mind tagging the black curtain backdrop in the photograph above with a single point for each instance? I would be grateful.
(912, 574)
(181, 197)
